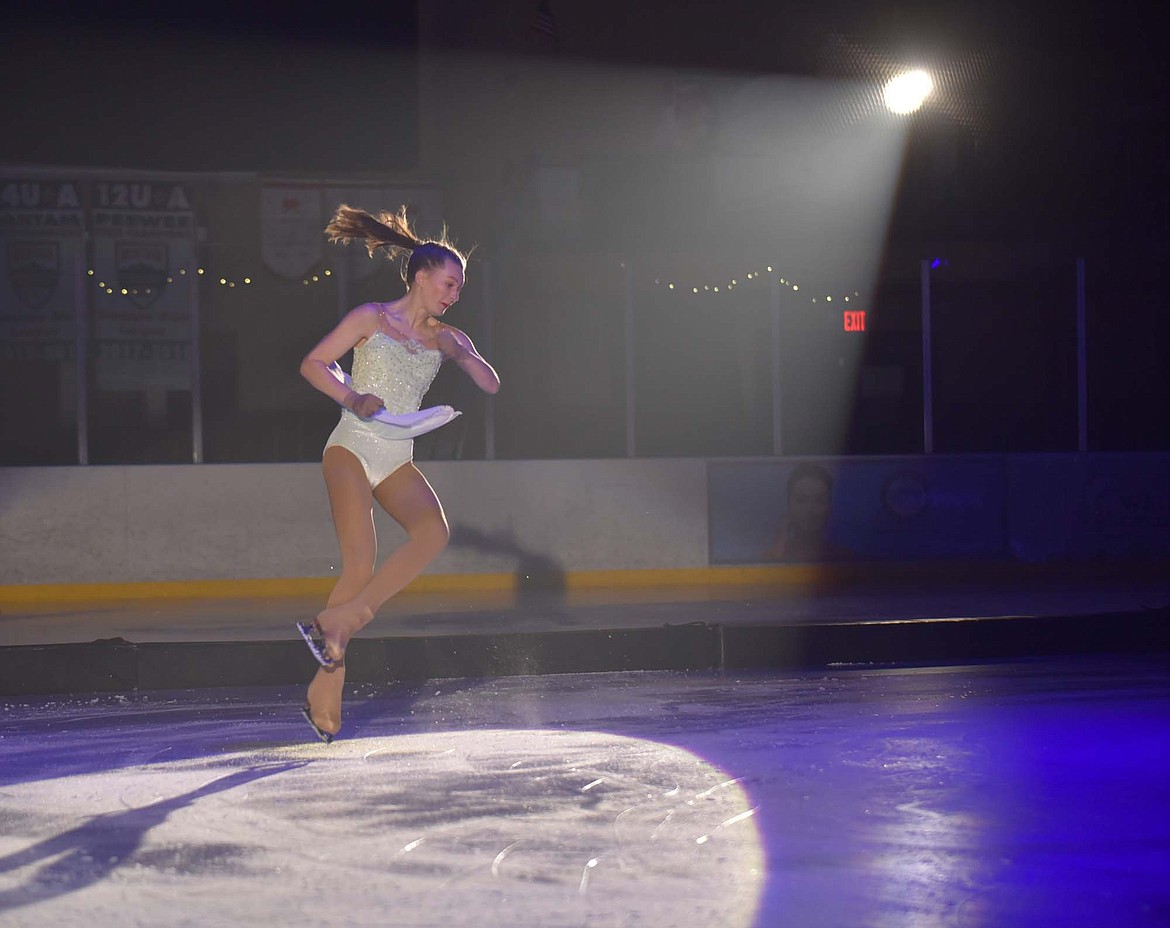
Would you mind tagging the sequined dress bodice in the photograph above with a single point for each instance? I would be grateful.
(397, 373)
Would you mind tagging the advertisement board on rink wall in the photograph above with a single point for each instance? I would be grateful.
(857, 509)
(1027, 508)
(1089, 507)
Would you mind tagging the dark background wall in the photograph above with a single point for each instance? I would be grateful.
(211, 86)
(1051, 145)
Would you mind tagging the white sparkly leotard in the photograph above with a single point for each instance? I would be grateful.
(399, 373)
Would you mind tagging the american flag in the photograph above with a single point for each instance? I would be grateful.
(545, 26)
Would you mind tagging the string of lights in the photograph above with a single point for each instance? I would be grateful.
(326, 275)
(726, 286)
(111, 289)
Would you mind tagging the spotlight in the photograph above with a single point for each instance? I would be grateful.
(907, 92)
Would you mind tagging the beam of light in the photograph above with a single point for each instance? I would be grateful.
(797, 173)
(907, 92)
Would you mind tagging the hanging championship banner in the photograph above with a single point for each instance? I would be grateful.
(292, 228)
(42, 234)
(424, 209)
(144, 235)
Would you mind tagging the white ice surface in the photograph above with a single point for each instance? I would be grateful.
(487, 827)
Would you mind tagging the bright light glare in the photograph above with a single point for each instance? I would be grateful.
(906, 92)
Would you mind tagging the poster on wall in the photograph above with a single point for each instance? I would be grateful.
(42, 232)
(292, 223)
(842, 510)
(143, 249)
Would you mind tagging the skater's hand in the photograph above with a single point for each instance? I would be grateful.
(363, 404)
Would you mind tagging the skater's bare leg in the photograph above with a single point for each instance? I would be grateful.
(408, 498)
(351, 501)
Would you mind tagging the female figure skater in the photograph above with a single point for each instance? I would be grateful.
(398, 348)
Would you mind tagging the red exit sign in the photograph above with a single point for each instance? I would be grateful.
(855, 320)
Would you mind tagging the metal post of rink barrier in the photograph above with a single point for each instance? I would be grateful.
(488, 314)
(81, 350)
(774, 306)
(342, 276)
(195, 363)
(1082, 363)
(927, 366)
(631, 393)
